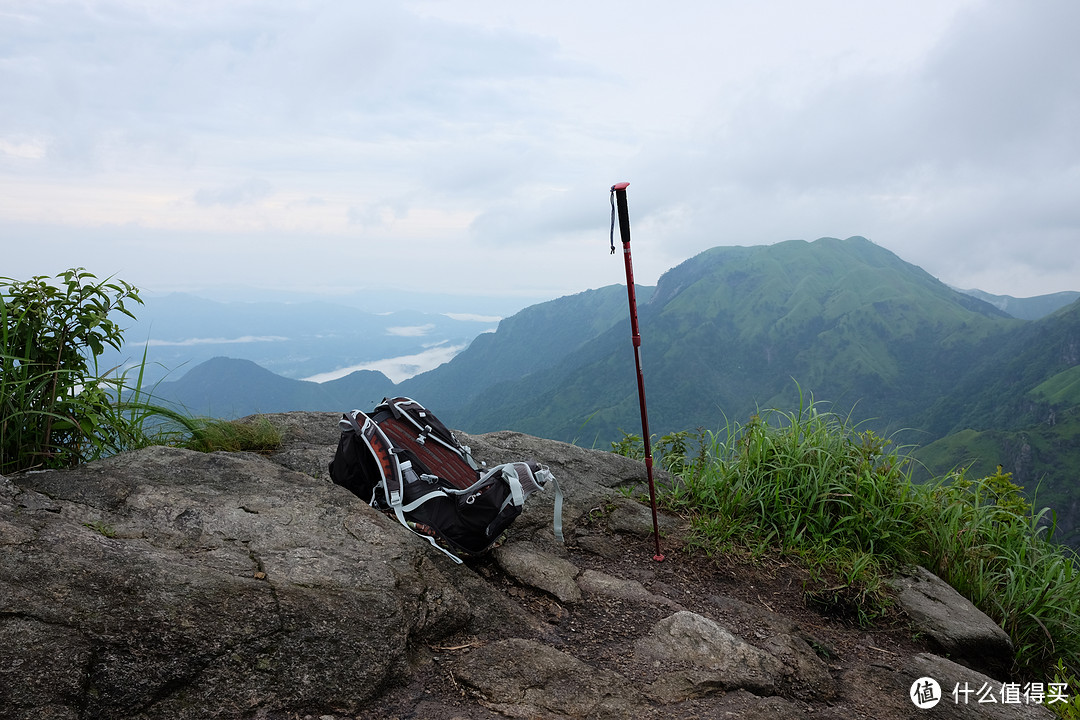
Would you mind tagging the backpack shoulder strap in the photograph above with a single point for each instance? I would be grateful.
(393, 480)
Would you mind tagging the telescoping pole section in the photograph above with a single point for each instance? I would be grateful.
(619, 191)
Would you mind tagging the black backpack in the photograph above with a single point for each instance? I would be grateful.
(401, 458)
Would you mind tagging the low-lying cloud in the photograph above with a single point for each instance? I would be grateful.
(410, 330)
(397, 368)
(216, 341)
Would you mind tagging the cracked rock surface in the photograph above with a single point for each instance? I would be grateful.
(172, 583)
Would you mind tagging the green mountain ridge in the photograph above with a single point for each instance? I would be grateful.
(1018, 407)
(536, 338)
(1032, 308)
(736, 329)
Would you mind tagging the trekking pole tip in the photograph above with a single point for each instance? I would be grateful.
(620, 186)
(658, 558)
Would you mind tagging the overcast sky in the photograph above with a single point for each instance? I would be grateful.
(471, 144)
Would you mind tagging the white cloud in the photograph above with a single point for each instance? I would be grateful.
(410, 330)
(245, 193)
(216, 341)
(473, 317)
(24, 148)
(398, 368)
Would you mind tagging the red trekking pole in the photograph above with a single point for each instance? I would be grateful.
(618, 192)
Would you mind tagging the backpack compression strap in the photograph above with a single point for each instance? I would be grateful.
(535, 480)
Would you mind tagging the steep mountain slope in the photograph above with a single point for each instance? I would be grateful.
(1015, 380)
(735, 329)
(1019, 407)
(537, 338)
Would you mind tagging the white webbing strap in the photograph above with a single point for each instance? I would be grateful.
(539, 480)
(482, 482)
(543, 477)
(421, 500)
(517, 495)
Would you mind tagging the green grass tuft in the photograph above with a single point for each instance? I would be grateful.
(257, 436)
(809, 484)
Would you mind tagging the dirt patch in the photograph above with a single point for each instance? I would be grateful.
(755, 600)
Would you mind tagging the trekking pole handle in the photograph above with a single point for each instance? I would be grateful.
(619, 191)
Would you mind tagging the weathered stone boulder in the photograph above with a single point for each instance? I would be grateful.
(526, 679)
(593, 582)
(704, 657)
(541, 570)
(893, 684)
(955, 626)
(169, 583)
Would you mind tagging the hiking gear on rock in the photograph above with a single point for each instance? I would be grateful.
(403, 459)
(618, 192)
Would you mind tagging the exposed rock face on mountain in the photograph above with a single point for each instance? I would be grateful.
(169, 584)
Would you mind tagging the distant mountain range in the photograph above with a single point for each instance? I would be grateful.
(967, 377)
(293, 339)
(231, 387)
(1031, 308)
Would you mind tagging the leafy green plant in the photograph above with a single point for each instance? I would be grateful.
(629, 445)
(1070, 709)
(56, 411)
(672, 451)
(58, 408)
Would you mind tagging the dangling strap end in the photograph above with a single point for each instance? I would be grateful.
(612, 219)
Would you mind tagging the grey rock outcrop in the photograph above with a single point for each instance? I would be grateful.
(601, 584)
(527, 679)
(955, 626)
(977, 696)
(170, 584)
(541, 570)
(714, 658)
